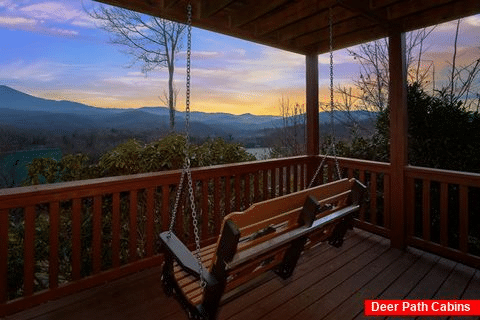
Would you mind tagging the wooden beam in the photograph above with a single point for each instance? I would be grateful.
(312, 104)
(398, 136)
(210, 7)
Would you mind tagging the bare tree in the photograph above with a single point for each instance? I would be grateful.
(372, 85)
(463, 81)
(151, 41)
(290, 137)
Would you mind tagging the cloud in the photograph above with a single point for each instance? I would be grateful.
(57, 12)
(63, 32)
(17, 21)
(473, 21)
(41, 71)
(137, 80)
(50, 11)
(8, 4)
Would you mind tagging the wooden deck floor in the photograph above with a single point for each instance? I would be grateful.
(329, 283)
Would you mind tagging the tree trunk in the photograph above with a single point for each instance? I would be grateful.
(171, 97)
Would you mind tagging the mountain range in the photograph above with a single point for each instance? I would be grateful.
(24, 111)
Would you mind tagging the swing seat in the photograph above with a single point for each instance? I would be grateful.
(270, 235)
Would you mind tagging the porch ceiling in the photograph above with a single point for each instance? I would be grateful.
(302, 26)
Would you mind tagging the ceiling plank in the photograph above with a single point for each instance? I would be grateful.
(409, 7)
(169, 3)
(449, 12)
(377, 4)
(295, 12)
(314, 23)
(346, 40)
(357, 6)
(257, 9)
(210, 7)
(340, 29)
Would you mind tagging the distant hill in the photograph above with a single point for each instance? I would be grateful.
(23, 111)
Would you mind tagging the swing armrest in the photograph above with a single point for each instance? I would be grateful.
(185, 257)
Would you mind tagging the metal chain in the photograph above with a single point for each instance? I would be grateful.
(332, 109)
(187, 144)
(186, 170)
(332, 104)
(177, 200)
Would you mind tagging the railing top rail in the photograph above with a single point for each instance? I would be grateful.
(449, 176)
(363, 164)
(11, 197)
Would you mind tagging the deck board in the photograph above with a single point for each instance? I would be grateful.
(329, 283)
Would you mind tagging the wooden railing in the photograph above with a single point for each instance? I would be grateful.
(61, 238)
(444, 213)
(375, 214)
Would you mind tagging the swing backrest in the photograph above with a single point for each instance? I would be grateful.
(268, 219)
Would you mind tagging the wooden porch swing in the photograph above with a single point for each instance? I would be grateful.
(270, 235)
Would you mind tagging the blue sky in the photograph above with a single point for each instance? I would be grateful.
(54, 50)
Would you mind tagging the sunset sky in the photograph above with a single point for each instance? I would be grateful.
(52, 49)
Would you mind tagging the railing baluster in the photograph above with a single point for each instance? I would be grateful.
(54, 231)
(150, 220)
(256, 186)
(97, 234)
(331, 174)
(273, 181)
(205, 218)
(228, 194)
(373, 198)
(4, 217)
(248, 191)
(76, 238)
(132, 241)
(238, 195)
(410, 206)
(362, 209)
(116, 230)
(29, 255)
(444, 214)
(295, 178)
(180, 217)
(265, 184)
(463, 238)
(217, 217)
(302, 173)
(165, 207)
(280, 181)
(288, 180)
(426, 209)
(350, 173)
(386, 200)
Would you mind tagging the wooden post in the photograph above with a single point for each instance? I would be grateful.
(313, 131)
(398, 137)
(312, 105)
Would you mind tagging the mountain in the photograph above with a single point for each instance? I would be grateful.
(23, 111)
(16, 100)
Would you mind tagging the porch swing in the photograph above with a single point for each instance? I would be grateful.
(269, 235)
